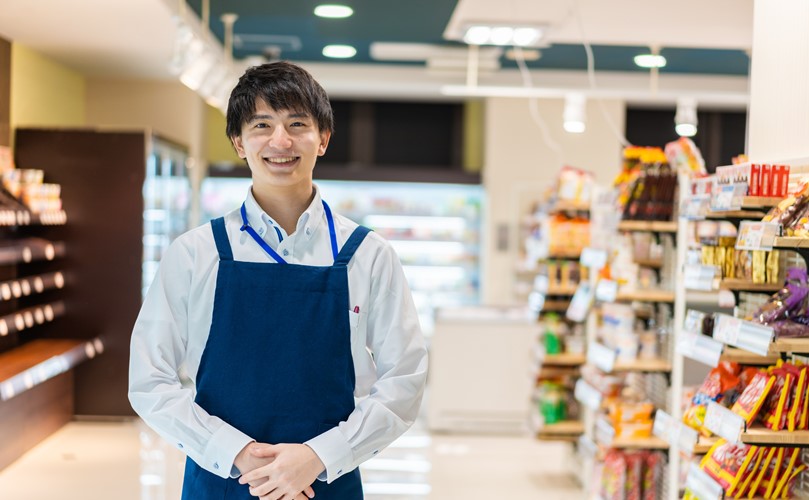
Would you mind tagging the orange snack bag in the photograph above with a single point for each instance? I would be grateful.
(753, 397)
(798, 397)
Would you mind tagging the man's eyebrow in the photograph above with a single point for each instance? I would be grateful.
(259, 117)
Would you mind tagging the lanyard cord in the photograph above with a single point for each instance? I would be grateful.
(272, 253)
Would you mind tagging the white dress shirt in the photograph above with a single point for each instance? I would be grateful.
(390, 357)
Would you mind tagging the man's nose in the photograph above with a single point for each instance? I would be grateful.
(280, 139)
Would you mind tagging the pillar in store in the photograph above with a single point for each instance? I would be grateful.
(778, 124)
(5, 92)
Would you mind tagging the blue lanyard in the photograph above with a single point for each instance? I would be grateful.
(272, 253)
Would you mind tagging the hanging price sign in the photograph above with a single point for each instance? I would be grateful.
(587, 395)
(724, 423)
(674, 432)
(580, 304)
(696, 207)
(700, 348)
(729, 197)
(701, 485)
(601, 356)
(757, 235)
(541, 284)
(606, 290)
(746, 335)
(700, 277)
(593, 258)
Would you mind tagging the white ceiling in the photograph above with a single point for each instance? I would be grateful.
(133, 39)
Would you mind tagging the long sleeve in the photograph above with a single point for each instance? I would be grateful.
(398, 373)
(158, 350)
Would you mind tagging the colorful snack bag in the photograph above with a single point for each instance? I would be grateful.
(777, 400)
(765, 465)
(613, 476)
(652, 475)
(788, 492)
(749, 403)
(786, 300)
(634, 475)
(792, 458)
(767, 486)
(749, 474)
(796, 400)
(717, 384)
(726, 462)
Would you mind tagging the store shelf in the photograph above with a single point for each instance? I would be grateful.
(29, 250)
(564, 359)
(653, 263)
(736, 214)
(565, 254)
(555, 306)
(764, 436)
(562, 290)
(643, 365)
(37, 361)
(646, 296)
(749, 202)
(569, 430)
(556, 372)
(26, 218)
(747, 358)
(796, 346)
(790, 242)
(650, 443)
(24, 319)
(14, 289)
(740, 285)
(704, 445)
(569, 206)
(648, 226)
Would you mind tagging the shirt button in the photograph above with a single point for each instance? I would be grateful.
(339, 472)
(286, 252)
(261, 231)
(180, 445)
(308, 231)
(376, 451)
(216, 466)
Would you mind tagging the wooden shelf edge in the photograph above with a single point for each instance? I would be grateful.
(38, 361)
(764, 436)
(565, 427)
(646, 296)
(650, 443)
(648, 226)
(796, 346)
(744, 357)
(748, 286)
(643, 365)
(736, 214)
(569, 206)
(760, 201)
(704, 445)
(564, 359)
(653, 263)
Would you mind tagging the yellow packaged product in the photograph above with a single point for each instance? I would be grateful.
(749, 474)
(787, 492)
(726, 462)
(759, 266)
(770, 482)
(774, 267)
(707, 255)
(792, 456)
(765, 465)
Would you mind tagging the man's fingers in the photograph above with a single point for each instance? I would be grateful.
(309, 492)
(264, 451)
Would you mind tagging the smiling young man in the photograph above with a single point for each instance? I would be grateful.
(293, 327)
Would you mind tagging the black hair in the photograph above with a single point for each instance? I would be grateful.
(282, 86)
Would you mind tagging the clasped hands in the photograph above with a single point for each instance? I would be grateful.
(279, 472)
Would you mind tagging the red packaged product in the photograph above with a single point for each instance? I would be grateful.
(634, 476)
(766, 180)
(726, 462)
(652, 475)
(776, 401)
(784, 181)
(755, 394)
(755, 180)
(613, 476)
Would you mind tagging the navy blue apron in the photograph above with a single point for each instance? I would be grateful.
(277, 364)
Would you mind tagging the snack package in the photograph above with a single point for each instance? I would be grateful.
(767, 487)
(634, 475)
(759, 266)
(777, 399)
(749, 403)
(789, 466)
(799, 395)
(719, 382)
(726, 462)
(652, 475)
(765, 466)
(613, 476)
(786, 300)
(787, 491)
(774, 266)
(749, 474)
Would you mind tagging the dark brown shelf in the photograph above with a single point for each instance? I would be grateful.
(26, 250)
(30, 317)
(30, 285)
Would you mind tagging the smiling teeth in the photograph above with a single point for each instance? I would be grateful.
(281, 160)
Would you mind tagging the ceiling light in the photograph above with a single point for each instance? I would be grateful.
(333, 11)
(685, 120)
(522, 36)
(575, 117)
(650, 61)
(339, 51)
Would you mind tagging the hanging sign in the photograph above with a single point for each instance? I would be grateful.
(601, 356)
(746, 335)
(724, 423)
(756, 235)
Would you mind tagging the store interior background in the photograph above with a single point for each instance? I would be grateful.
(104, 65)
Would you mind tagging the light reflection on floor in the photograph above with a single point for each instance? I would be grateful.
(127, 461)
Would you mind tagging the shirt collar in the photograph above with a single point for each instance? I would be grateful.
(308, 223)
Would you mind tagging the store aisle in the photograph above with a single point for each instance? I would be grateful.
(126, 461)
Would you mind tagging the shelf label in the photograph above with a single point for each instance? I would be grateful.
(674, 432)
(693, 321)
(700, 277)
(580, 304)
(755, 235)
(701, 485)
(536, 301)
(587, 395)
(696, 207)
(700, 348)
(604, 432)
(606, 290)
(729, 197)
(727, 299)
(593, 258)
(601, 356)
(687, 439)
(746, 335)
(541, 283)
(723, 422)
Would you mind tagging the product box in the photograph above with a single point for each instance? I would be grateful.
(755, 180)
(784, 190)
(766, 180)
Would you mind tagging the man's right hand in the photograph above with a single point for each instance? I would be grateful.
(247, 461)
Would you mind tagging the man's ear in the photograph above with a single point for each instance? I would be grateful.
(324, 143)
(238, 146)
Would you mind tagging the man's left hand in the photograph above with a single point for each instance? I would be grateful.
(294, 468)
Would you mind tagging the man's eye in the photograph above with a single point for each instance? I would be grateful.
(298, 124)
(261, 125)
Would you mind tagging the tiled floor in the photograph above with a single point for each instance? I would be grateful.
(126, 461)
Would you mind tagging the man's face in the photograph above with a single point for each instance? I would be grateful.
(280, 146)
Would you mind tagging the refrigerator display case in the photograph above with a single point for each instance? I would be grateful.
(166, 203)
(434, 228)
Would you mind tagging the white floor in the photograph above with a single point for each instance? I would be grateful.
(127, 461)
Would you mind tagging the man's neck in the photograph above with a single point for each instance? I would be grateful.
(285, 205)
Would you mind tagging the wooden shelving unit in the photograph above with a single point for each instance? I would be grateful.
(648, 226)
(797, 346)
(751, 202)
(764, 436)
(650, 443)
(704, 445)
(562, 290)
(740, 285)
(736, 214)
(643, 365)
(569, 206)
(568, 430)
(744, 357)
(646, 296)
(556, 306)
(652, 263)
(565, 254)
(564, 359)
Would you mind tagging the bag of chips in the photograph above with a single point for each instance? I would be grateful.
(766, 463)
(749, 403)
(726, 462)
(789, 466)
(777, 399)
(719, 382)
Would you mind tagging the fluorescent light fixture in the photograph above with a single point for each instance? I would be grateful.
(650, 61)
(685, 120)
(332, 11)
(339, 51)
(482, 34)
(575, 117)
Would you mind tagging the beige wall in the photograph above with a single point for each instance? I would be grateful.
(44, 93)
(519, 165)
(218, 149)
(167, 108)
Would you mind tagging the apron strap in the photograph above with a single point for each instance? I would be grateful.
(347, 252)
(220, 235)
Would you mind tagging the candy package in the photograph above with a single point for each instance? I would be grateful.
(634, 476)
(766, 463)
(613, 476)
(777, 399)
(783, 475)
(787, 300)
(796, 404)
(748, 474)
(652, 475)
(726, 462)
(719, 382)
(749, 403)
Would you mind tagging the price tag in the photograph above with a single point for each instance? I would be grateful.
(536, 301)
(541, 283)
(604, 432)
(729, 197)
(665, 427)
(601, 356)
(724, 423)
(606, 290)
(587, 395)
(700, 277)
(593, 258)
(757, 235)
(693, 321)
(580, 304)
(743, 334)
(700, 348)
(701, 485)
(726, 299)
(696, 207)
(687, 439)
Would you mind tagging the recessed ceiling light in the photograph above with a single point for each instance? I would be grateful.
(339, 51)
(650, 61)
(502, 35)
(523, 36)
(332, 11)
(526, 36)
(477, 35)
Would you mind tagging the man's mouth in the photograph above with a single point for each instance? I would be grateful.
(282, 161)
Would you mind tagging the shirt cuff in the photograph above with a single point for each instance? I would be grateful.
(221, 452)
(334, 451)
